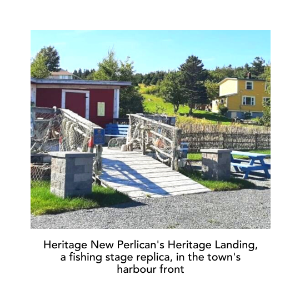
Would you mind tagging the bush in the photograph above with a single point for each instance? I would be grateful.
(247, 115)
(222, 109)
(150, 90)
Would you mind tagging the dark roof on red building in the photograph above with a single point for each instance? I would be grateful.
(80, 82)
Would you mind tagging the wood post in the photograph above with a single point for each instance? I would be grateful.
(175, 144)
(143, 138)
(256, 141)
(129, 135)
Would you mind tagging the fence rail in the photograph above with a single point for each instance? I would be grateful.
(226, 137)
(147, 134)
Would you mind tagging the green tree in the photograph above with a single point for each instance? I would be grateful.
(52, 58)
(258, 67)
(80, 73)
(112, 69)
(212, 89)
(108, 69)
(220, 73)
(193, 77)
(38, 68)
(266, 118)
(90, 76)
(138, 78)
(75, 73)
(171, 90)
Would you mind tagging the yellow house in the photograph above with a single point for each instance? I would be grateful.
(242, 95)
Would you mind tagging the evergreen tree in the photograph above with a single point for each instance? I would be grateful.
(138, 78)
(38, 68)
(193, 77)
(111, 69)
(258, 67)
(80, 73)
(75, 73)
(171, 90)
(52, 58)
(108, 69)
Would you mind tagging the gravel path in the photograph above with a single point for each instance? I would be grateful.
(235, 209)
(231, 209)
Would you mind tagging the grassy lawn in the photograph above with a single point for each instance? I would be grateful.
(198, 156)
(194, 156)
(262, 151)
(230, 185)
(154, 104)
(44, 202)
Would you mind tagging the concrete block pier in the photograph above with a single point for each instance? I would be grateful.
(71, 173)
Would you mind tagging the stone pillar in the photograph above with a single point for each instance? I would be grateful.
(216, 164)
(71, 173)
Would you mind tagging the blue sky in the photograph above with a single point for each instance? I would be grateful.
(154, 50)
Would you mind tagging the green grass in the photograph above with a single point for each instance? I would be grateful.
(155, 104)
(44, 202)
(261, 151)
(194, 156)
(198, 156)
(214, 185)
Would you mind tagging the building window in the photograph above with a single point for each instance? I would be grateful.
(249, 85)
(248, 100)
(266, 100)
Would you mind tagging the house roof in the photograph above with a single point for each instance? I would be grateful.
(235, 78)
(80, 82)
(61, 72)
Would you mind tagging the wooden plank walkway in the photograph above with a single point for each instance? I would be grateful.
(140, 176)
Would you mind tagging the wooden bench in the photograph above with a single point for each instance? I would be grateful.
(118, 135)
(116, 130)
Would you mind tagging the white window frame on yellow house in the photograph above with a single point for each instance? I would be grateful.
(252, 85)
(264, 100)
(252, 101)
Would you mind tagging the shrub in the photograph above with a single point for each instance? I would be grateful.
(247, 115)
(222, 109)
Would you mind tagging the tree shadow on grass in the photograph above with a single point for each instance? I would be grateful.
(208, 116)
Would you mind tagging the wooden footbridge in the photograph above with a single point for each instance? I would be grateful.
(139, 176)
(131, 172)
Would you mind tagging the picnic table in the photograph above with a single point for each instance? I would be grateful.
(256, 162)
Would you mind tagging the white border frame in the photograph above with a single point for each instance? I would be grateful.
(251, 83)
(116, 103)
(87, 100)
(263, 99)
(248, 104)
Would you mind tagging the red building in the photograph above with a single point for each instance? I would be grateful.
(97, 101)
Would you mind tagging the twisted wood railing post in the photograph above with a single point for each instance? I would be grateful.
(176, 143)
(143, 138)
(129, 135)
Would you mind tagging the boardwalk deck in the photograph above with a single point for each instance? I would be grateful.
(139, 176)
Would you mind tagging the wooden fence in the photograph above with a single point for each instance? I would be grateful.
(200, 136)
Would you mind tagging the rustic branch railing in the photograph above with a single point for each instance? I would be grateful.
(62, 130)
(147, 134)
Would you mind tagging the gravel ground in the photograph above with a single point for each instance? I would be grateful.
(235, 209)
(241, 209)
